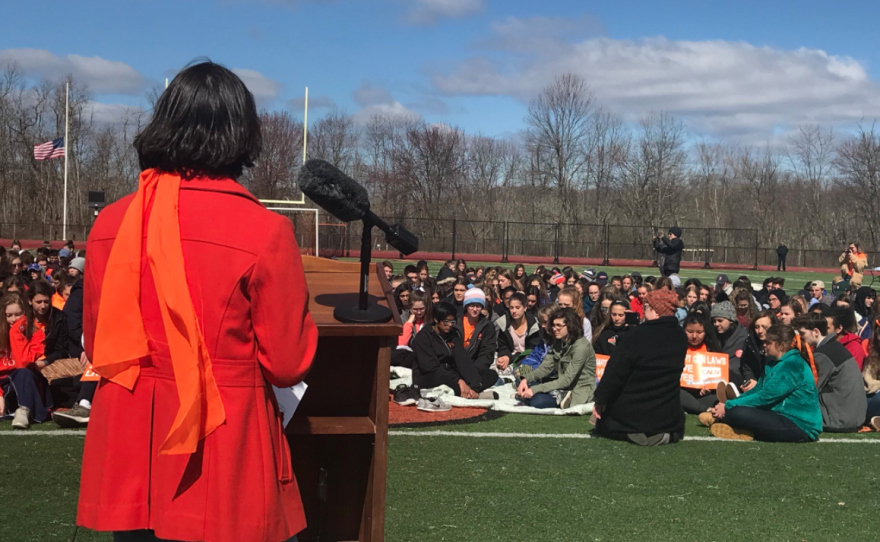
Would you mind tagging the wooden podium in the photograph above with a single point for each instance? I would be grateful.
(339, 434)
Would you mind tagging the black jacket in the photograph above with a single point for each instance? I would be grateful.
(732, 343)
(782, 250)
(608, 339)
(753, 359)
(444, 355)
(483, 343)
(671, 250)
(505, 339)
(73, 310)
(445, 273)
(640, 389)
(57, 338)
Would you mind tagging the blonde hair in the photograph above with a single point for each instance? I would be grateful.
(576, 300)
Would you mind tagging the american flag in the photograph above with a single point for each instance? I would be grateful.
(50, 149)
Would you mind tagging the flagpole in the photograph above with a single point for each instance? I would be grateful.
(66, 147)
(305, 125)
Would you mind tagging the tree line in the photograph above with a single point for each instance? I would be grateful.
(575, 162)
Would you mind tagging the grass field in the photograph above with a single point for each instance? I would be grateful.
(531, 478)
(794, 281)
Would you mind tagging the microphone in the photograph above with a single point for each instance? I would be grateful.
(345, 199)
(336, 192)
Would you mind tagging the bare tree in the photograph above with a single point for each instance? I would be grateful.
(858, 161)
(558, 133)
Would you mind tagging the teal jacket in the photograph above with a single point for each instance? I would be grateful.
(787, 388)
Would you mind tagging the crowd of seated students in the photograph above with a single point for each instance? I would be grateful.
(473, 329)
(41, 299)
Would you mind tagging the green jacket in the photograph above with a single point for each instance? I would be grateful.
(787, 388)
(575, 364)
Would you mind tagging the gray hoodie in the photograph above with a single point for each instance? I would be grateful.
(841, 387)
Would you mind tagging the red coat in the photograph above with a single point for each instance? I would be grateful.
(247, 284)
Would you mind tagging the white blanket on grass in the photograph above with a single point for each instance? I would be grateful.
(506, 401)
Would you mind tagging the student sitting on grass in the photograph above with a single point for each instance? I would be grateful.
(441, 358)
(701, 339)
(840, 386)
(782, 407)
(638, 399)
(871, 375)
(22, 388)
(520, 333)
(753, 358)
(572, 358)
(419, 308)
(479, 335)
(612, 329)
(532, 361)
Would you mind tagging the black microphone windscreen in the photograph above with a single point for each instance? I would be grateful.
(336, 192)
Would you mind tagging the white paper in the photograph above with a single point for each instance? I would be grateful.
(288, 399)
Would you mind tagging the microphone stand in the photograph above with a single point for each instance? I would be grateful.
(364, 313)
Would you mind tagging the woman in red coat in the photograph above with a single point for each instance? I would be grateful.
(189, 317)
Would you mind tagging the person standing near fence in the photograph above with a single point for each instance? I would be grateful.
(670, 246)
(852, 264)
(781, 254)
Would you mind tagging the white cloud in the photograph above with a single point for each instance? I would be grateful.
(718, 87)
(102, 114)
(428, 12)
(368, 94)
(264, 89)
(101, 75)
(315, 102)
(394, 109)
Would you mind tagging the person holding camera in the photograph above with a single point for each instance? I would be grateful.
(852, 264)
(670, 246)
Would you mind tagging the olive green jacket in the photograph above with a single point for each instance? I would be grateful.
(575, 365)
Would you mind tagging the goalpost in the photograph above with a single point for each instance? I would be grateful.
(298, 210)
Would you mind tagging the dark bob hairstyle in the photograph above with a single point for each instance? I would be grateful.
(204, 124)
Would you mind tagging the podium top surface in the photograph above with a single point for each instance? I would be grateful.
(333, 283)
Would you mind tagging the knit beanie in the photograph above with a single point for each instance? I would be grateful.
(664, 302)
(724, 309)
(79, 264)
(675, 230)
(474, 295)
(780, 295)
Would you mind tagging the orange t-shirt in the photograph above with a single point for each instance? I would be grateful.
(468, 332)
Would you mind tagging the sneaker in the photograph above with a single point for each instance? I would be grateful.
(433, 404)
(488, 395)
(706, 419)
(77, 416)
(22, 418)
(566, 401)
(732, 391)
(875, 423)
(721, 392)
(724, 431)
(404, 395)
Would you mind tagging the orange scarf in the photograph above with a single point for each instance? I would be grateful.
(120, 338)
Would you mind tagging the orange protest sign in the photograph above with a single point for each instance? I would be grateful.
(701, 369)
(601, 362)
(89, 375)
(704, 369)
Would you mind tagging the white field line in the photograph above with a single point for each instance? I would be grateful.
(580, 436)
(58, 433)
(469, 434)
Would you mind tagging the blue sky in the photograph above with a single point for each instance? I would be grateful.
(742, 69)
